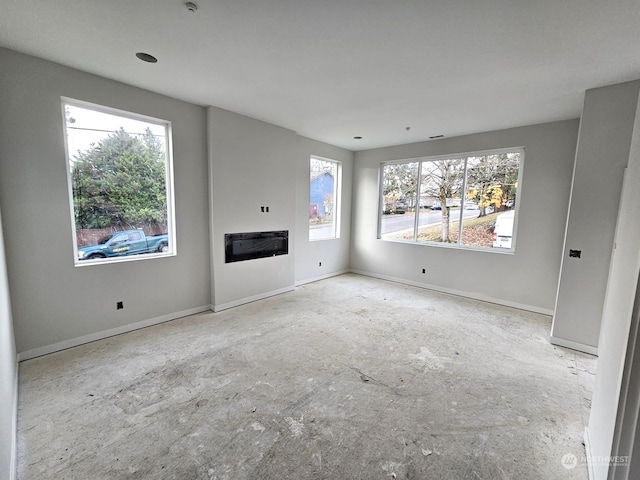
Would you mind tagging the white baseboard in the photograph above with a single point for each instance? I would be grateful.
(459, 293)
(13, 472)
(260, 296)
(581, 347)
(587, 450)
(74, 342)
(321, 277)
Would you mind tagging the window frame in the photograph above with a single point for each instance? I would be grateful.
(465, 156)
(168, 175)
(337, 198)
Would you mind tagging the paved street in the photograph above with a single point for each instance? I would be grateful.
(396, 223)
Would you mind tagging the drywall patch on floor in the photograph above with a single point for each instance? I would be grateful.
(296, 426)
(429, 360)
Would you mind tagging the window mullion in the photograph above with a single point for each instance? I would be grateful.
(416, 222)
(464, 197)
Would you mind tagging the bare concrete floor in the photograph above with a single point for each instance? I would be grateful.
(350, 377)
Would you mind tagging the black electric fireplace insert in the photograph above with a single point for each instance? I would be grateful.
(251, 245)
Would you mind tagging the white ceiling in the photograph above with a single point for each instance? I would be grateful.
(335, 69)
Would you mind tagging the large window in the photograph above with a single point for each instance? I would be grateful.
(120, 183)
(465, 200)
(324, 205)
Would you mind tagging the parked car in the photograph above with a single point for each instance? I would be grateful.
(503, 230)
(401, 206)
(471, 206)
(125, 242)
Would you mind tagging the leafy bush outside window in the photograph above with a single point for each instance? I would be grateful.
(120, 180)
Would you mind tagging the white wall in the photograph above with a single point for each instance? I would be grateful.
(617, 314)
(8, 375)
(333, 253)
(52, 300)
(252, 164)
(601, 157)
(526, 279)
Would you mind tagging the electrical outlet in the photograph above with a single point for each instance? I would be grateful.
(119, 305)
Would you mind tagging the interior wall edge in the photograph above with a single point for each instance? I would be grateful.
(617, 314)
(210, 192)
(74, 342)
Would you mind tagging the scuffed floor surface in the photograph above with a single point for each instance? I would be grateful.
(350, 378)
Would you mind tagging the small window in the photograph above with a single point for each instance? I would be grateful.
(324, 201)
(467, 201)
(120, 183)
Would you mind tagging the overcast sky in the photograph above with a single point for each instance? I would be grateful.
(91, 126)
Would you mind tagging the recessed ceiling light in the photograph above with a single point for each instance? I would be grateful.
(357, 138)
(436, 136)
(145, 57)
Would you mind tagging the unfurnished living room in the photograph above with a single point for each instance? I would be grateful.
(317, 240)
